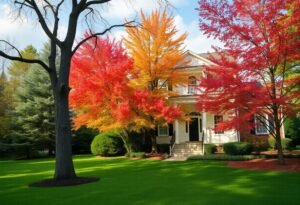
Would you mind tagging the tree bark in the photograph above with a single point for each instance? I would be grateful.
(126, 140)
(154, 148)
(277, 124)
(64, 168)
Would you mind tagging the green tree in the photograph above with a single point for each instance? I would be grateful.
(49, 15)
(34, 110)
(4, 107)
(17, 69)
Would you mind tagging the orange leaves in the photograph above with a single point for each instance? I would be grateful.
(156, 49)
(101, 94)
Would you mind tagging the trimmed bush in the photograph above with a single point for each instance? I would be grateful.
(163, 148)
(139, 155)
(107, 144)
(272, 142)
(237, 148)
(210, 148)
(259, 143)
(222, 157)
(286, 143)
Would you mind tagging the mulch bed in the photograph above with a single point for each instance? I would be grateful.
(62, 183)
(286, 152)
(292, 165)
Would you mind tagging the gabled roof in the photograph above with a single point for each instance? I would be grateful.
(203, 57)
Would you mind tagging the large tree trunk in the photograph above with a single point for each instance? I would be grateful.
(64, 168)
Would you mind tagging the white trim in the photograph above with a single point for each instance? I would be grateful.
(199, 118)
(199, 57)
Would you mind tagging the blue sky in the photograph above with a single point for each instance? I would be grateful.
(27, 31)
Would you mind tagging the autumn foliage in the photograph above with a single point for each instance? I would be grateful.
(101, 93)
(157, 49)
(254, 73)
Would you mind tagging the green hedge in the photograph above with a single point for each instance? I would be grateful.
(107, 144)
(286, 143)
(237, 148)
(210, 148)
(222, 157)
(163, 148)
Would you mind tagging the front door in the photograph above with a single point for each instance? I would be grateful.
(194, 129)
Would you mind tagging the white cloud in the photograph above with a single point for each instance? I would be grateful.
(195, 41)
(120, 9)
(22, 31)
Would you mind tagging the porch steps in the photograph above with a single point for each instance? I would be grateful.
(187, 149)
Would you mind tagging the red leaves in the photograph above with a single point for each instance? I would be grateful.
(255, 74)
(101, 93)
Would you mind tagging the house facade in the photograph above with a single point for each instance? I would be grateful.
(199, 129)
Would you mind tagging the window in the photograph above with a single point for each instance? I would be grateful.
(163, 130)
(162, 84)
(261, 123)
(192, 82)
(218, 119)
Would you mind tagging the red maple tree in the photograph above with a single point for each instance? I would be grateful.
(254, 74)
(102, 96)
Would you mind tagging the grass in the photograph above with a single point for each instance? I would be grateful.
(143, 182)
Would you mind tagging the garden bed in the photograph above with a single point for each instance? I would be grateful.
(267, 164)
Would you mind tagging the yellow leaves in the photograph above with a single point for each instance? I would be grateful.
(156, 49)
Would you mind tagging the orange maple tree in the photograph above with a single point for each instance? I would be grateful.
(101, 94)
(157, 50)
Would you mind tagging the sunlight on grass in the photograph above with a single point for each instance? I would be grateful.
(136, 182)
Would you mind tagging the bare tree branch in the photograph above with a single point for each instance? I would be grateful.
(25, 60)
(127, 24)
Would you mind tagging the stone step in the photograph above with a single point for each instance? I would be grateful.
(187, 149)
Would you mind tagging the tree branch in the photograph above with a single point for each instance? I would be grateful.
(127, 24)
(25, 60)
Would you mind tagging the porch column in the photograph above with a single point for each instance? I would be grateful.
(204, 126)
(176, 132)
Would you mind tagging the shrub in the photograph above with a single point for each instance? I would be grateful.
(286, 143)
(82, 139)
(272, 142)
(163, 148)
(222, 157)
(139, 155)
(237, 148)
(259, 143)
(210, 148)
(107, 144)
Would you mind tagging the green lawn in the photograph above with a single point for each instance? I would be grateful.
(142, 182)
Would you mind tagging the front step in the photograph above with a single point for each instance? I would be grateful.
(187, 149)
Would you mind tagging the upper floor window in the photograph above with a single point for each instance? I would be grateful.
(261, 123)
(192, 83)
(162, 84)
(218, 119)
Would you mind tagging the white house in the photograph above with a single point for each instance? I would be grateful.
(188, 137)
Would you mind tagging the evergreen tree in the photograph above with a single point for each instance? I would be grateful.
(35, 109)
(4, 107)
